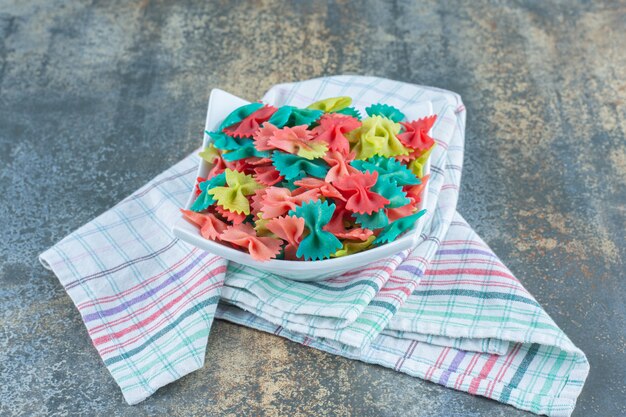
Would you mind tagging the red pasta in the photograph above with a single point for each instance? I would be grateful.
(248, 126)
(415, 191)
(394, 214)
(356, 188)
(278, 201)
(210, 226)
(341, 216)
(218, 168)
(415, 135)
(290, 229)
(240, 165)
(260, 248)
(325, 189)
(354, 234)
(267, 175)
(197, 189)
(234, 218)
(332, 129)
(256, 201)
(297, 140)
(263, 136)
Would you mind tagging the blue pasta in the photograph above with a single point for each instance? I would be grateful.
(293, 116)
(294, 167)
(318, 244)
(387, 168)
(246, 149)
(224, 142)
(392, 192)
(395, 229)
(350, 111)
(372, 221)
(281, 116)
(385, 110)
(305, 116)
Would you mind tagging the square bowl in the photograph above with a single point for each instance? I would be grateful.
(221, 104)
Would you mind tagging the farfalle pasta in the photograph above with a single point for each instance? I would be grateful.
(377, 135)
(304, 184)
(332, 129)
(318, 243)
(232, 196)
(357, 188)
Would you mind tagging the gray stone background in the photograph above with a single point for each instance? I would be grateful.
(97, 97)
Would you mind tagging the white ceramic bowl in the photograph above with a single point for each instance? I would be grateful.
(221, 104)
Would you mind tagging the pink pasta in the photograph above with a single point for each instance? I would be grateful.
(357, 189)
(244, 236)
(278, 201)
(290, 229)
(339, 165)
(416, 134)
(210, 226)
(267, 175)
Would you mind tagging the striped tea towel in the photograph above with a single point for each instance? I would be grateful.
(448, 310)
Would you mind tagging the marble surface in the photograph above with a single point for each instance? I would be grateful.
(97, 97)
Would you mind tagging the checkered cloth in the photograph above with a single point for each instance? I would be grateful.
(447, 311)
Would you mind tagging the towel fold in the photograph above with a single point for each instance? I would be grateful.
(448, 310)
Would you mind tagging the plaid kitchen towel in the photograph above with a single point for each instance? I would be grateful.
(448, 311)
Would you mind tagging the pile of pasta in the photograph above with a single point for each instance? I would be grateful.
(312, 183)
